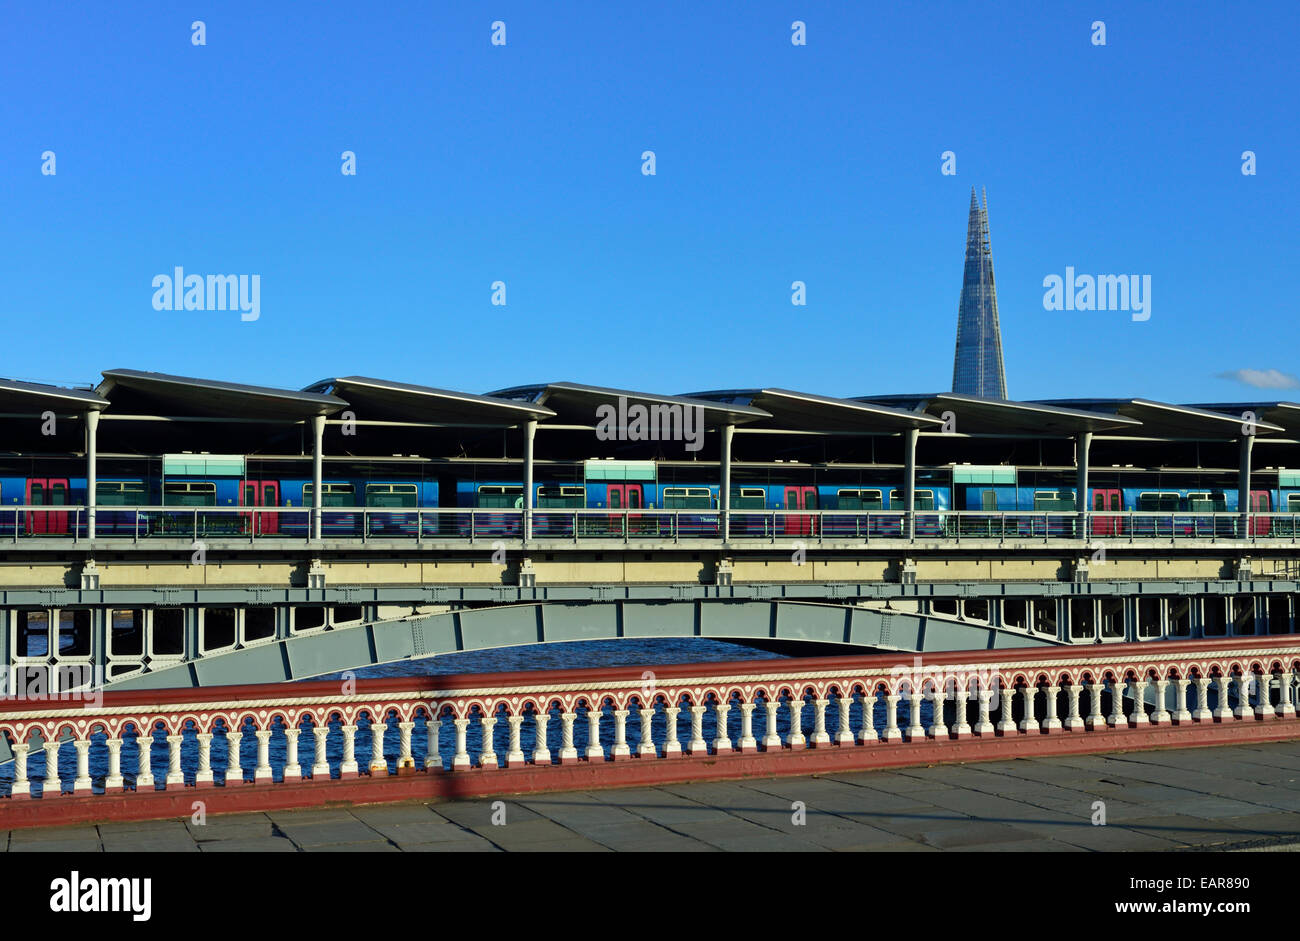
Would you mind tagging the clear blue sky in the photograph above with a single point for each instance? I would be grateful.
(775, 163)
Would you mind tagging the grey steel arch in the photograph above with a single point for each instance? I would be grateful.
(418, 636)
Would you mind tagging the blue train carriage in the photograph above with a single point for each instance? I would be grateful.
(356, 506)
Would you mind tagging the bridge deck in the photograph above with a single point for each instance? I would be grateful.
(1238, 796)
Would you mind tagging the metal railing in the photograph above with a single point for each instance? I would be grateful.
(812, 527)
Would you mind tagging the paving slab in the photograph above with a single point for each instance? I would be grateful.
(315, 835)
(268, 845)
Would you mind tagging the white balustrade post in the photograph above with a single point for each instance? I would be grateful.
(1182, 713)
(721, 741)
(488, 757)
(568, 752)
(697, 746)
(262, 773)
(1161, 714)
(404, 759)
(595, 751)
(144, 761)
(292, 770)
(114, 779)
(348, 767)
(1095, 719)
(938, 728)
(1203, 713)
(983, 724)
(868, 731)
(915, 730)
(1263, 701)
(620, 749)
(461, 760)
(892, 731)
(961, 698)
(1006, 712)
(82, 781)
(433, 740)
(320, 766)
(378, 764)
(797, 738)
(646, 747)
(1116, 718)
(1243, 709)
(22, 786)
(672, 747)
(1222, 709)
(1074, 721)
(1139, 714)
(541, 754)
(515, 756)
(174, 773)
(771, 738)
(820, 736)
(53, 784)
(1029, 723)
(1285, 701)
(843, 705)
(747, 741)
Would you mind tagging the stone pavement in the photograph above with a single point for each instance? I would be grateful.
(1230, 797)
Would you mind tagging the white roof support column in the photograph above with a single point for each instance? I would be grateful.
(1243, 483)
(724, 482)
(910, 437)
(317, 453)
(530, 431)
(1082, 449)
(92, 469)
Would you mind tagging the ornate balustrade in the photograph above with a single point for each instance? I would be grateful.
(269, 736)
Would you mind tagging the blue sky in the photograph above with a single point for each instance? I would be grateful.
(774, 163)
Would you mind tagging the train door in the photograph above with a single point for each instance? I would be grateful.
(47, 491)
(625, 497)
(1261, 502)
(1103, 500)
(800, 498)
(260, 493)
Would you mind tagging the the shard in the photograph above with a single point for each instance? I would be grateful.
(977, 364)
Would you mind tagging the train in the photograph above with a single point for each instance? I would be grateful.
(190, 493)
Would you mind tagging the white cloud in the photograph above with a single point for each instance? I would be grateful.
(1262, 378)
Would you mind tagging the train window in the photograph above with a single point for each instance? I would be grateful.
(687, 498)
(330, 495)
(1157, 502)
(189, 493)
(921, 499)
(119, 493)
(859, 500)
(1207, 502)
(498, 497)
(1048, 500)
(1293, 502)
(391, 495)
(561, 497)
(988, 500)
(748, 498)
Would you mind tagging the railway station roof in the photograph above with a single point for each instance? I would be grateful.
(1284, 414)
(1166, 420)
(982, 416)
(156, 393)
(803, 411)
(575, 403)
(19, 396)
(401, 401)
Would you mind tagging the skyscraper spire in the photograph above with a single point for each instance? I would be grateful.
(977, 363)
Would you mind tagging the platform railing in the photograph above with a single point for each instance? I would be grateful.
(268, 735)
(754, 527)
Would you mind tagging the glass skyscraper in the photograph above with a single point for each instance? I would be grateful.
(977, 363)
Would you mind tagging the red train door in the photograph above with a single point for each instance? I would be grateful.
(47, 491)
(1261, 502)
(800, 498)
(260, 493)
(626, 497)
(1107, 500)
